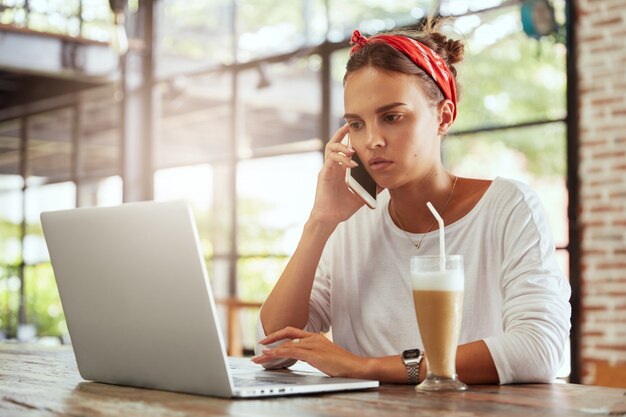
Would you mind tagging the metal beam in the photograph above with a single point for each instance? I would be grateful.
(24, 168)
(573, 188)
(235, 116)
(138, 114)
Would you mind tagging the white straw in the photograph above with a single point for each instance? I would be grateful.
(442, 240)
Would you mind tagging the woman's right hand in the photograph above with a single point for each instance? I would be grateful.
(334, 202)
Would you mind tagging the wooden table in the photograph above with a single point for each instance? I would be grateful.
(42, 381)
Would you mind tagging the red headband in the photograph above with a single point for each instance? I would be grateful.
(420, 54)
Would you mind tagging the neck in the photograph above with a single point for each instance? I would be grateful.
(408, 203)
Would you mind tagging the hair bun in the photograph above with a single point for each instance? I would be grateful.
(450, 50)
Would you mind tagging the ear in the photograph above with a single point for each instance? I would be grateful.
(446, 116)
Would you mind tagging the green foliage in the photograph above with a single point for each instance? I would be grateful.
(257, 276)
(543, 148)
(43, 306)
(253, 14)
(9, 299)
(9, 234)
(258, 273)
(197, 29)
(516, 80)
(256, 236)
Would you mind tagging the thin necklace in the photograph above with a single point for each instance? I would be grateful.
(419, 244)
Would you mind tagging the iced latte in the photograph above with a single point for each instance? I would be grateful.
(438, 298)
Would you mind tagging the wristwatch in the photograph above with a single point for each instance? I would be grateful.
(412, 359)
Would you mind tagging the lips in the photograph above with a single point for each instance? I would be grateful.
(378, 163)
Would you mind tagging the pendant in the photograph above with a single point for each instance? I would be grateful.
(417, 245)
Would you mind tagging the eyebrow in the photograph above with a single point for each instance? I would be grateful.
(379, 110)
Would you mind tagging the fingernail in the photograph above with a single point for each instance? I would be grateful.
(255, 358)
(264, 340)
(266, 351)
(353, 164)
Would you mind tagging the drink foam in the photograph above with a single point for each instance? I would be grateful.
(449, 280)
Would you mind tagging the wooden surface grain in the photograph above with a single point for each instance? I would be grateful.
(42, 381)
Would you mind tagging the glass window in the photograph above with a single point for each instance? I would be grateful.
(457, 7)
(100, 154)
(248, 317)
(193, 184)
(50, 147)
(53, 16)
(97, 20)
(194, 35)
(13, 12)
(338, 61)
(10, 259)
(10, 285)
(10, 227)
(534, 155)
(56, 16)
(274, 119)
(11, 182)
(195, 121)
(289, 26)
(10, 178)
(43, 305)
(507, 77)
(372, 16)
(100, 192)
(276, 195)
(38, 199)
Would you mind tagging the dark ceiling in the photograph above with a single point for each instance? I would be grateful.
(18, 88)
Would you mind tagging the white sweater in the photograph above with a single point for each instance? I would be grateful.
(516, 298)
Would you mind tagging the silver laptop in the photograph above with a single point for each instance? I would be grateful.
(140, 310)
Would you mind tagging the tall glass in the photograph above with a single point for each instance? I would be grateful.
(438, 298)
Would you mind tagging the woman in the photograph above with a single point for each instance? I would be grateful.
(351, 267)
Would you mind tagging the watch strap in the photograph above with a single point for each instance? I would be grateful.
(412, 359)
(413, 370)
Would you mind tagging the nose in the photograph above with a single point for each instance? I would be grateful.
(374, 138)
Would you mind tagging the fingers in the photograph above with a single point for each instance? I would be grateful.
(286, 333)
(299, 349)
(340, 148)
(292, 352)
(339, 134)
(341, 159)
(335, 142)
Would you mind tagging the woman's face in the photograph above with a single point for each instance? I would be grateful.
(393, 128)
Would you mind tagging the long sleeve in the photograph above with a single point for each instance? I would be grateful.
(535, 307)
(319, 315)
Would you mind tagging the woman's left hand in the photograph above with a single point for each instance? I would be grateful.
(314, 349)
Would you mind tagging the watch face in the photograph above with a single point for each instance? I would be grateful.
(411, 354)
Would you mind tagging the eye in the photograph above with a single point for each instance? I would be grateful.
(355, 124)
(392, 117)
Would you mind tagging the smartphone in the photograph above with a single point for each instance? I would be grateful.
(361, 183)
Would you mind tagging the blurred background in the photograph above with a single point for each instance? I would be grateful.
(228, 104)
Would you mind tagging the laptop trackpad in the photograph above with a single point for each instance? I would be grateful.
(245, 372)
